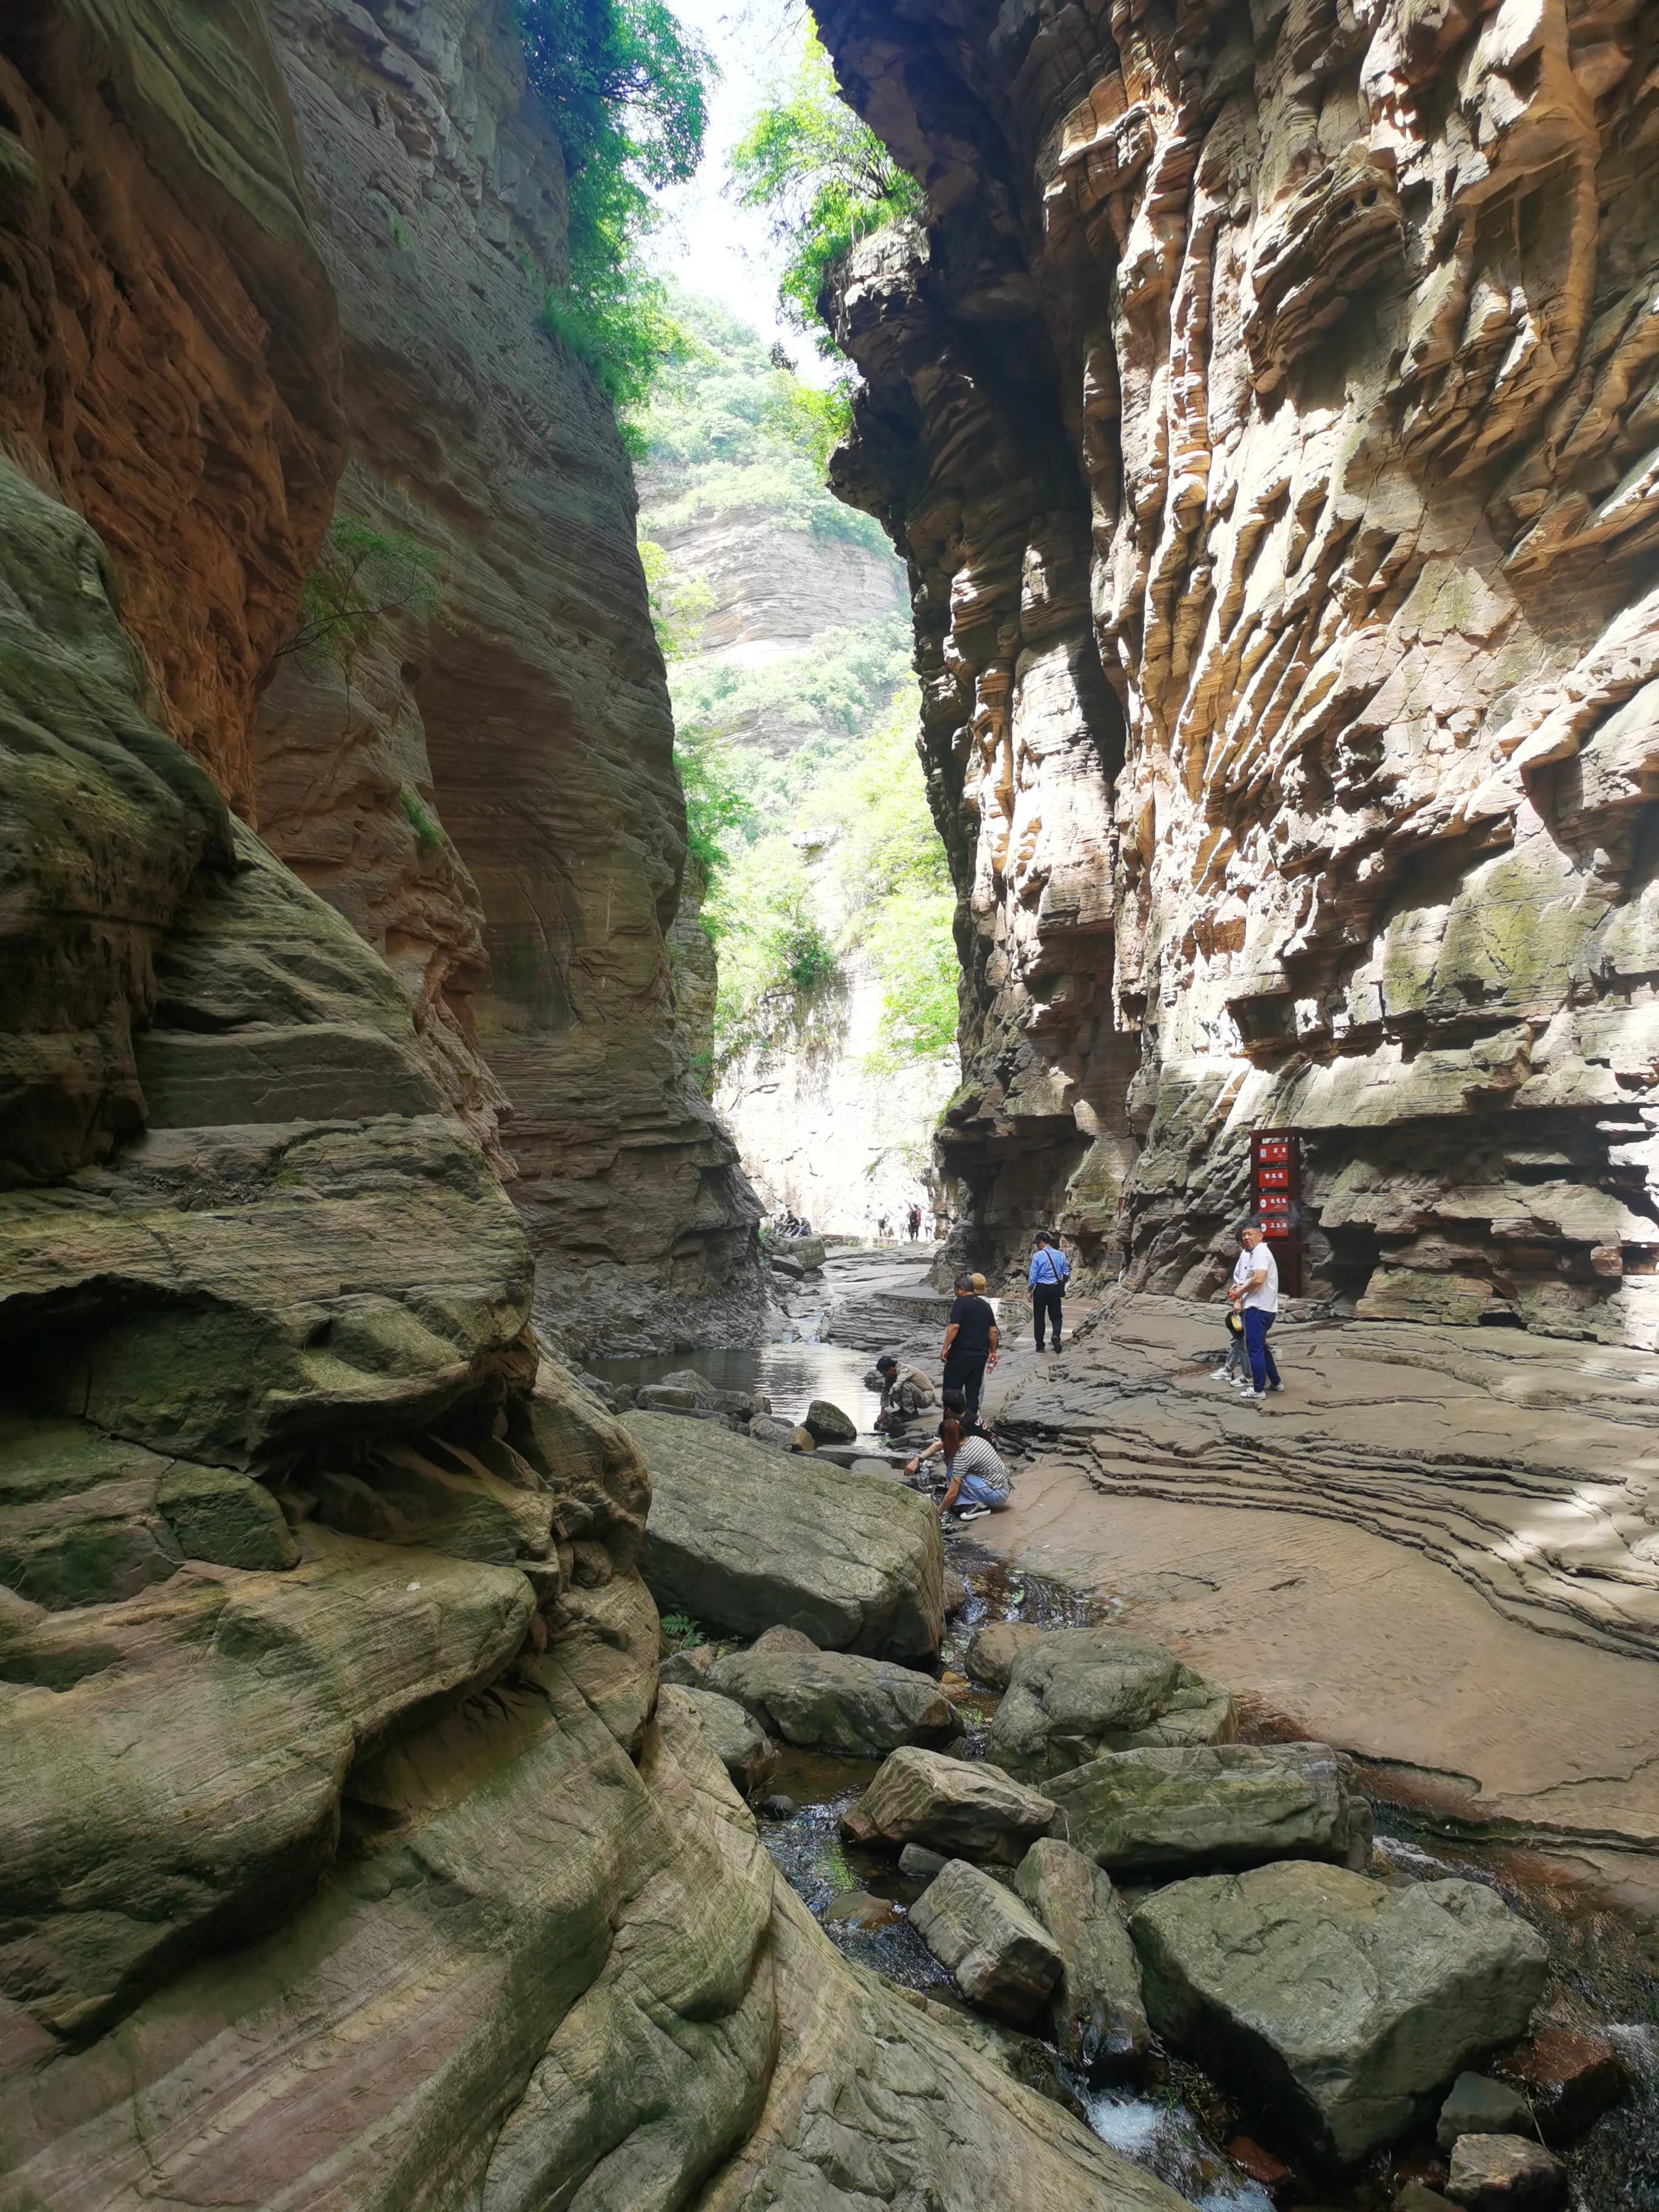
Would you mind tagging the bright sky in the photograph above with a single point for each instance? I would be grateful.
(707, 243)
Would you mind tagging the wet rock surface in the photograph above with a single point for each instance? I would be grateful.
(1344, 2003)
(1099, 2019)
(998, 1953)
(1505, 2174)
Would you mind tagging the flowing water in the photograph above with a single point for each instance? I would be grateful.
(790, 1375)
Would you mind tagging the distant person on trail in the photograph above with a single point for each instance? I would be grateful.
(979, 1482)
(883, 1225)
(1255, 1291)
(902, 1396)
(915, 1222)
(1050, 1272)
(970, 1342)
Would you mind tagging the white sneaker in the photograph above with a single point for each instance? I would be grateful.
(1221, 1374)
(1256, 1398)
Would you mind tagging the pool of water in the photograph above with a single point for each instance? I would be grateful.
(790, 1374)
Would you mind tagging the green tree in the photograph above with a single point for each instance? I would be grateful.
(363, 576)
(626, 88)
(824, 178)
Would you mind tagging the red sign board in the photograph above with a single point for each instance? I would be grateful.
(1276, 1199)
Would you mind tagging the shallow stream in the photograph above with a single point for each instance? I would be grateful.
(1175, 2122)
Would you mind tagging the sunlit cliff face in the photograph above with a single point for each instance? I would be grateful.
(1269, 414)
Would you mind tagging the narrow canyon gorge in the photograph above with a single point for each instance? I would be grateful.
(396, 1713)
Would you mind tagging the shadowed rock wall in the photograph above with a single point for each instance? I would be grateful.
(525, 895)
(1267, 411)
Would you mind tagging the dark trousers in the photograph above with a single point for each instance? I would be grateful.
(1045, 1306)
(1256, 1324)
(968, 1375)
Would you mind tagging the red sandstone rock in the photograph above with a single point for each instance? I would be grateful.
(1570, 2080)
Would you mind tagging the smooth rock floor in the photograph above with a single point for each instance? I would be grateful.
(1438, 1549)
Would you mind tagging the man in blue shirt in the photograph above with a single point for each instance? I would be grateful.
(1050, 1272)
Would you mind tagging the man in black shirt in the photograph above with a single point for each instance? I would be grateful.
(971, 1343)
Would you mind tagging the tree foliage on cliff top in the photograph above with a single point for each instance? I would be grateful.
(824, 178)
(731, 425)
(626, 86)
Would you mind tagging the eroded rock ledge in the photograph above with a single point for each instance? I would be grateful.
(1267, 411)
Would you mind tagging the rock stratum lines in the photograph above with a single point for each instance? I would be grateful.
(1267, 409)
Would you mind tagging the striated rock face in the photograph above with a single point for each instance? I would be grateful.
(169, 354)
(1267, 413)
(345, 1858)
(487, 792)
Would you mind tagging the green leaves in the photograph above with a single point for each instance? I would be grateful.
(363, 576)
(825, 179)
(626, 86)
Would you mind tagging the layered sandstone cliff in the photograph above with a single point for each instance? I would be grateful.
(1267, 410)
(344, 1860)
(524, 898)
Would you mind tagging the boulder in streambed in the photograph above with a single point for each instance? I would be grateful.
(835, 1701)
(1099, 2019)
(1478, 2105)
(992, 1650)
(766, 1429)
(735, 1737)
(998, 1953)
(1505, 2174)
(1224, 1805)
(957, 1806)
(826, 1424)
(1343, 2005)
(1077, 1693)
(741, 1540)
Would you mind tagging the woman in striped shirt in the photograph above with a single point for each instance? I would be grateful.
(979, 1482)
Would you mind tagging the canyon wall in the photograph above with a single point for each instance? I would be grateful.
(488, 791)
(346, 1858)
(1267, 409)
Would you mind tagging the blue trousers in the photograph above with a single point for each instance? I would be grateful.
(1256, 1324)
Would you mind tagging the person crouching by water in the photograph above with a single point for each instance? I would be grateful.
(970, 1342)
(1050, 1272)
(902, 1396)
(1254, 1292)
(978, 1482)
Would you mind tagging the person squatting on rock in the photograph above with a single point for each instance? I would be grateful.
(902, 1396)
(956, 1409)
(1050, 1270)
(970, 1342)
(1255, 1291)
(978, 1481)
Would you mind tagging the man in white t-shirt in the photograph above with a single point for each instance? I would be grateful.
(1255, 1289)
